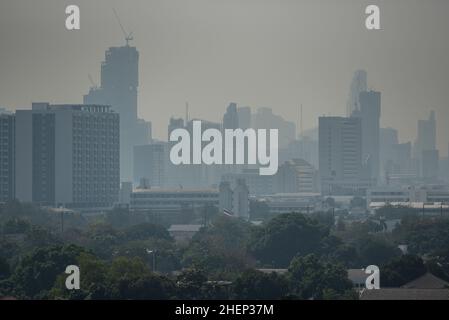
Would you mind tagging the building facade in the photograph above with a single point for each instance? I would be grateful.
(340, 156)
(7, 150)
(67, 155)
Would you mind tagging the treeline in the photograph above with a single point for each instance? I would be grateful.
(140, 260)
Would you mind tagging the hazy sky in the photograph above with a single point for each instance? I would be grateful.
(275, 53)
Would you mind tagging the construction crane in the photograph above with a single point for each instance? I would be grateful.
(128, 36)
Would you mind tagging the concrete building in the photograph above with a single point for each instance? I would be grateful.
(244, 115)
(426, 137)
(388, 140)
(340, 156)
(234, 199)
(257, 184)
(67, 155)
(292, 202)
(265, 119)
(295, 176)
(304, 148)
(410, 194)
(7, 154)
(430, 161)
(358, 84)
(119, 89)
(369, 113)
(172, 200)
(151, 162)
(197, 176)
(230, 118)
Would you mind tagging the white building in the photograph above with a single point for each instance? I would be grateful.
(234, 199)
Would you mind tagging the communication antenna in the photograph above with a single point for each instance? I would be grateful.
(128, 36)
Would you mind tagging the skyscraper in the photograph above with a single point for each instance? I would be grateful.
(244, 116)
(68, 155)
(358, 84)
(425, 140)
(230, 118)
(119, 89)
(430, 165)
(265, 119)
(7, 147)
(369, 113)
(388, 140)
(151, 163)
(340, 154)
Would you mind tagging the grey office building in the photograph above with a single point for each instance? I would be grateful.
(369, 113)
(7, 124)
(68, 155)
(119, 89)
(340, 155)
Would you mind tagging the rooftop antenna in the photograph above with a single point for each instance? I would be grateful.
(128, 36)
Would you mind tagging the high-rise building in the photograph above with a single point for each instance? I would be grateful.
(430, 164)
(119, 89)
(426, 137)
(358, 84)
(244, 116)
(340, 155)
(151, 163)
(67, 155)
(7, 149)
(388, 140)
(425, 141)
(265, 119)
(369, 113)
(305, 148)
(174, 123)
(402, 158)
(230, 118)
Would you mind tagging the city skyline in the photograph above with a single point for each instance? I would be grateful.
(176, 50)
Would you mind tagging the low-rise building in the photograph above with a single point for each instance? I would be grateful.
(172, 200)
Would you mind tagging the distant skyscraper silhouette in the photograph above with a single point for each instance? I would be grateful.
(340, 155)
(230, 118)
(358, 84)
(369, 112)
(425, 141)
(244, 115)
(119, 88)
(7, 147)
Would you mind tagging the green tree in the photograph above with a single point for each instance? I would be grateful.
(285, 236)
(37, 271)
(256, 285)
(313, 278)
(402, 270)
(4, 268)
(376, 251)
(220, 249)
